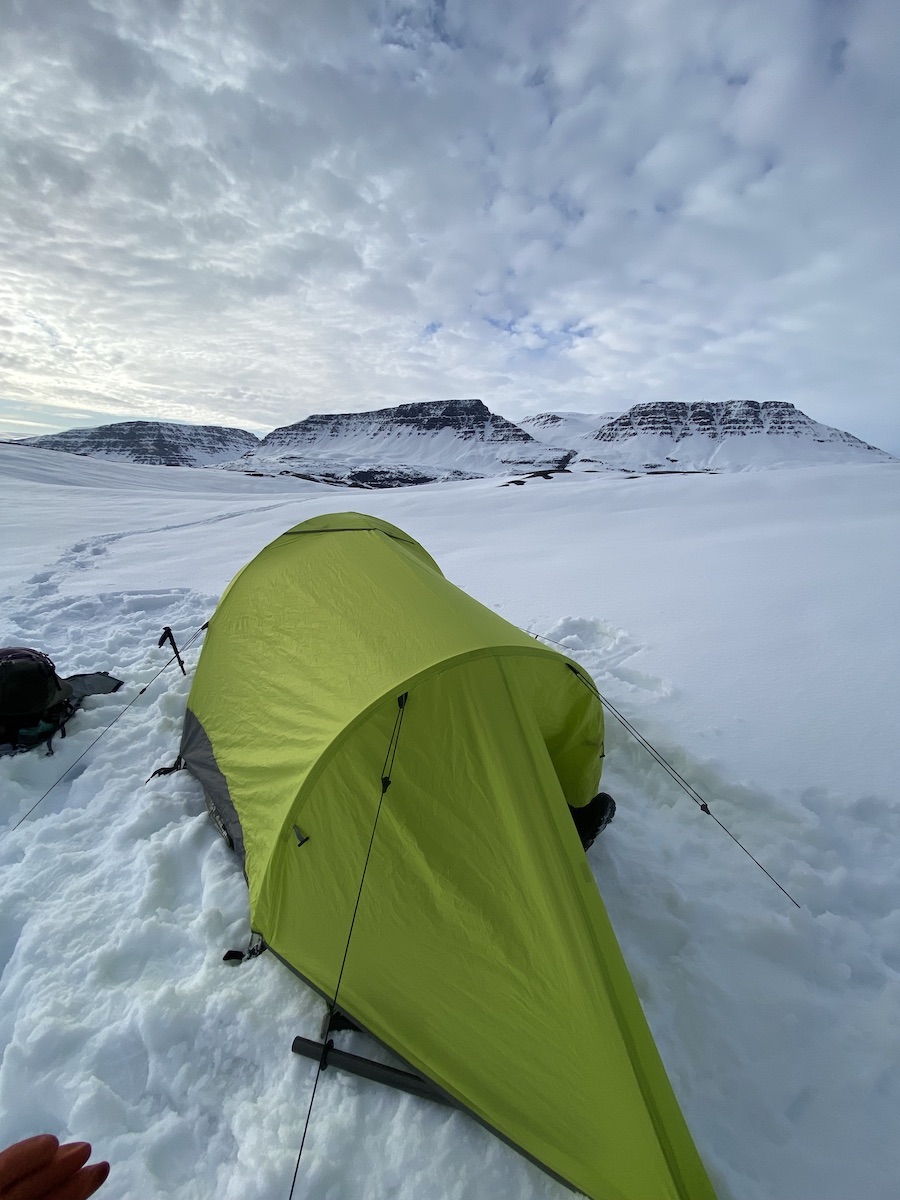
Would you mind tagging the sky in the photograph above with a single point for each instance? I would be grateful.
(245, 214)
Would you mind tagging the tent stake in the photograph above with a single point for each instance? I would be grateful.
(405, 1081)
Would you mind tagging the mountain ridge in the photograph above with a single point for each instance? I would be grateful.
(154, 443)
(430, 441)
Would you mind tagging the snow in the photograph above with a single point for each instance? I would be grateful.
(743, 452)
(357, 447)
(745, 623)
(565, 428)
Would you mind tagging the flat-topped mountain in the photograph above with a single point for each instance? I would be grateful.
(412, 443)
(723, 435)
(159, 443)
(470, 420)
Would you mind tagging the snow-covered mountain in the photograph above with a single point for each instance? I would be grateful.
(390, 447)
(733, 435)
(463, 439)
(158, 443)
(412, 443)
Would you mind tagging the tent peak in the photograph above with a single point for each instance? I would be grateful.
(352, 522)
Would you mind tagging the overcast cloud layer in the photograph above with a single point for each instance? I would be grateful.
(245, 213)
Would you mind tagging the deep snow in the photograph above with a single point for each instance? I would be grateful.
(747, 624)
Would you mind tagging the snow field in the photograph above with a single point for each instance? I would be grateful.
(762, 669)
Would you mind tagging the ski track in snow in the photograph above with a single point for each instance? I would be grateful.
(83, 555)
(776, 1023)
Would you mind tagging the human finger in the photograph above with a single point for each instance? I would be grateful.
(66, 1163)
(82, 1185)
(25, 1157)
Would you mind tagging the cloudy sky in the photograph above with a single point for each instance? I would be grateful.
(244, 212)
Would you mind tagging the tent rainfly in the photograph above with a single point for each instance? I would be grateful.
(346, 686)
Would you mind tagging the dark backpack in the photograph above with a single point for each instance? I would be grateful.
(34, 701)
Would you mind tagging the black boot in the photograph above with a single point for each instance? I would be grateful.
(592, 818)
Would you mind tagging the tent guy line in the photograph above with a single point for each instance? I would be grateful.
(623, 721)
(667, 766)
(326, 1045)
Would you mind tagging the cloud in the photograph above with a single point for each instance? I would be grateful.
(222, 209)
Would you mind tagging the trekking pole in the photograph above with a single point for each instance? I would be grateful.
(168, 636)
(118, 715)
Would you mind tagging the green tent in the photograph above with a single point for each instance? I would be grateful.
(345, 685)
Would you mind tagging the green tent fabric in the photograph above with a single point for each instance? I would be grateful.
(481, 951)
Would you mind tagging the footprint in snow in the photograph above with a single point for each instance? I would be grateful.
(604, 650)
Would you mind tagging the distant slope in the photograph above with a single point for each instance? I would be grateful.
(159, 443)
(565, 428)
